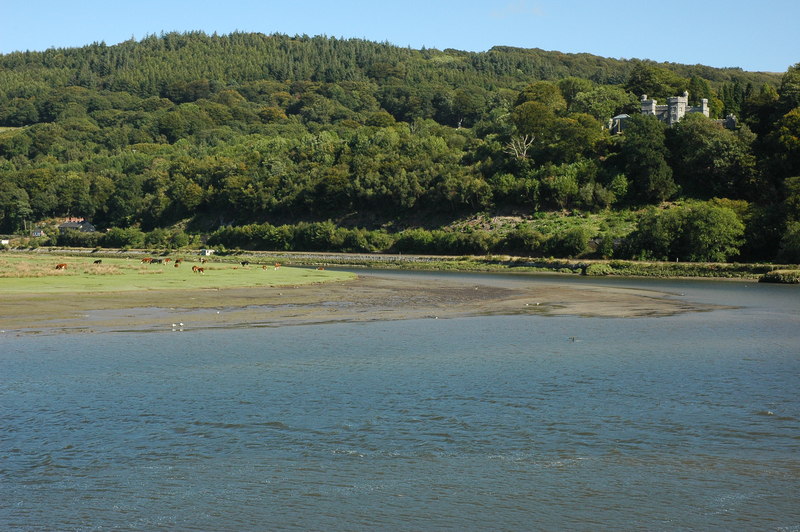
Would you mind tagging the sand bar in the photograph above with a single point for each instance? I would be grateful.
(366, 298)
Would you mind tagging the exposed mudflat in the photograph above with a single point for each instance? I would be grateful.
(367, 298)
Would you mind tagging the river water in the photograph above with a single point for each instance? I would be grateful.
(686, 422)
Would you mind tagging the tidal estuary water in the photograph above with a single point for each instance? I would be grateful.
(687, 422)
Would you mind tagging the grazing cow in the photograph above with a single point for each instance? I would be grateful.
(200, 270)
(178, 261)
(156, 261)
(147, 260)
(99, 261)
(61, 266)
(245, 263)
(167, 260)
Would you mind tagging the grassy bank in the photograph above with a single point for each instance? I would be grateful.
(782, 277)
(222, 265)
(544, 265)
(37, 273)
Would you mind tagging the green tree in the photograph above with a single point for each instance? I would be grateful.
(760, 110)
(696, 231)
(785, 137)
(534, 118)
(570, 87)
(544, 92)
(789, 90)
(15, 208)
(604, 102)
(524, 239)
(710, 160)
(790, 244)
(116, 237)
(654, 81)
(645, 155)
(571, 242)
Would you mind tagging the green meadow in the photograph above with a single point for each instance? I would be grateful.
(23, 273)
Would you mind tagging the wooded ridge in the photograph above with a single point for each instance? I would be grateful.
(278, 142)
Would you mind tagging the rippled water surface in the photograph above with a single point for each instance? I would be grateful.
(493, 423)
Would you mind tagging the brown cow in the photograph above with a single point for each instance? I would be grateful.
(167, 260)
(61, 266)
(277, 265)
(147, 260)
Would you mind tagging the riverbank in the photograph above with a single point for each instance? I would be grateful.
(488, 263)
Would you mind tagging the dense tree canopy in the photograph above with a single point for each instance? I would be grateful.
(247, 129)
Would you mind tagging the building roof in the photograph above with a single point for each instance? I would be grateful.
(81, 226)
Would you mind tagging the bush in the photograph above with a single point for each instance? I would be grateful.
(697, 232)
(781, 276)
(414, 241)
(598, 269)
(571, 242)
(116, 237)
(524, 240)
(78, 239)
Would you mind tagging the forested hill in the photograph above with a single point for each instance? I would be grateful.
(149, 67)
(250, 130)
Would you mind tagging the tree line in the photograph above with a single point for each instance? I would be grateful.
(232, 131)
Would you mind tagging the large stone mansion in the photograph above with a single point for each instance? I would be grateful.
(676, 108)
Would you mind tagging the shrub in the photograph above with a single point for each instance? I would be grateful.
(598, 269)
(781, 276)
(523, 239)
(78, 239)
(117, 237)
(697, 231)
(571, 242)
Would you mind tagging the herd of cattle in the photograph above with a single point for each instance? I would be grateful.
(176, 262)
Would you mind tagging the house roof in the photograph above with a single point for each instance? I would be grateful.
(86, 226)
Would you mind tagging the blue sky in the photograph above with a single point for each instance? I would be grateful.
(751, 34)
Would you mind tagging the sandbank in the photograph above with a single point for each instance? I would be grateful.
(366, 298)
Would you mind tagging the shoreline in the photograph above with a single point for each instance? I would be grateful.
(366, 298)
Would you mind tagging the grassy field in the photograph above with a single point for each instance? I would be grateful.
(25, 273)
